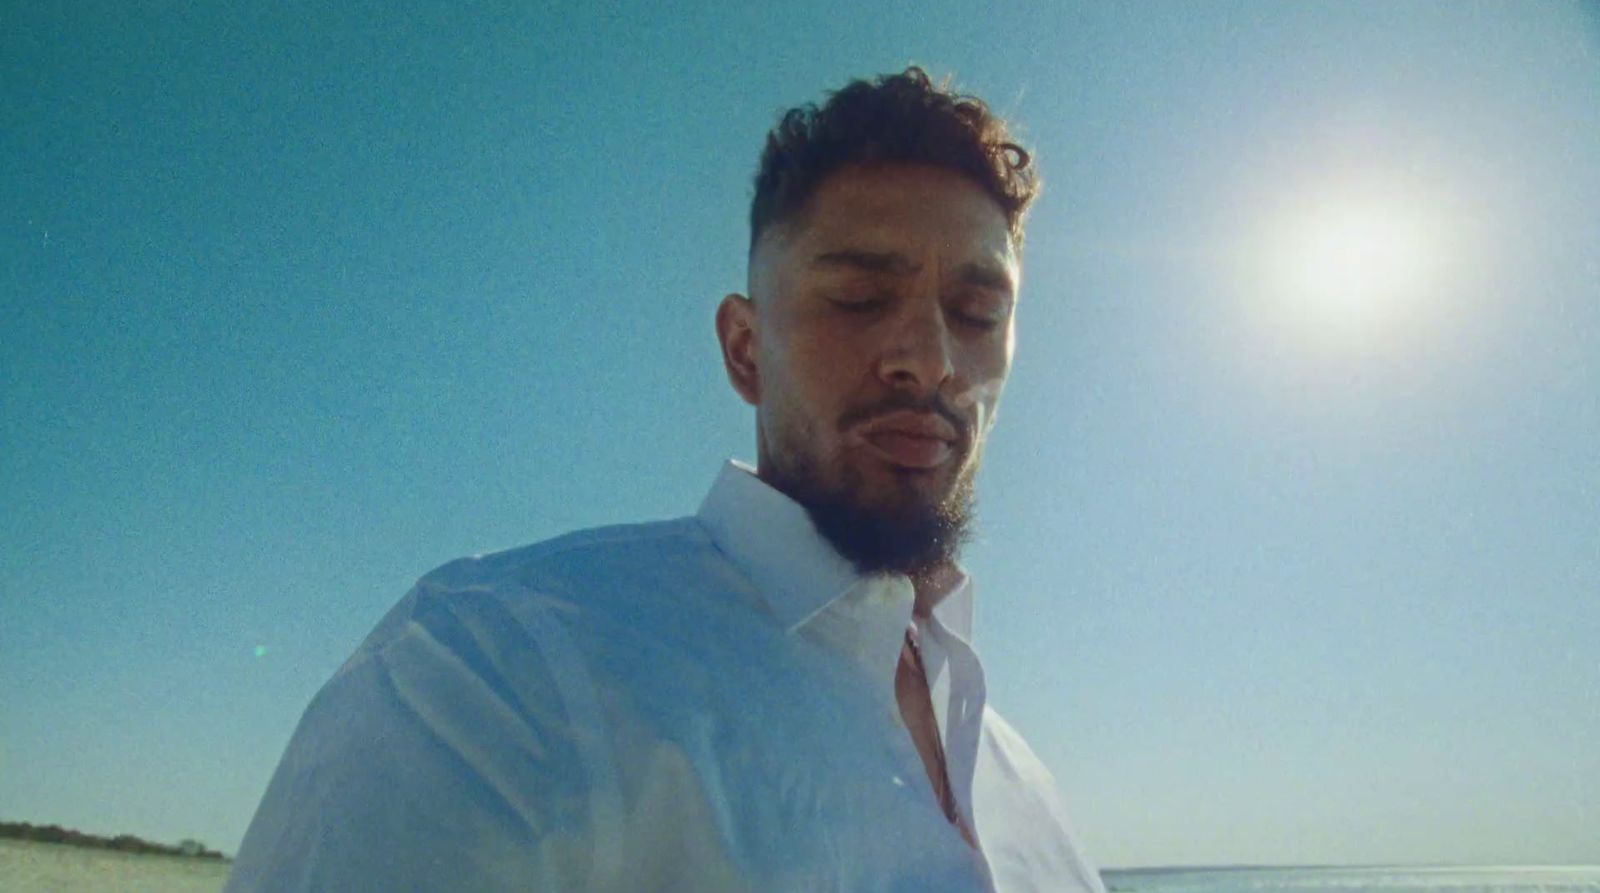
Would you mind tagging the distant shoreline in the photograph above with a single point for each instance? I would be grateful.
(121, 843)
(1353, 867)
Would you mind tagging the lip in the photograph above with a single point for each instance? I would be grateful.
(910, 439)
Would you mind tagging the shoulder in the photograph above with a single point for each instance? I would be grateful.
(601, 576)
(572, 553)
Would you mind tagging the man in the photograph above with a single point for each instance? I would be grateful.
(779, 692)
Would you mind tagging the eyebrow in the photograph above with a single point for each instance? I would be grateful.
(976, 273)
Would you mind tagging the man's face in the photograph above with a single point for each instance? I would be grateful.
(875, 345)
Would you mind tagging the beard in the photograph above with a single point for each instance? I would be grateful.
(914, 538)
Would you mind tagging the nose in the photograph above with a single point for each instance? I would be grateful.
(919, 355)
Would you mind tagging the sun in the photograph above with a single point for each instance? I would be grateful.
(1353, 261)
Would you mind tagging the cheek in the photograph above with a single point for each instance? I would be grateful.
(804, 389)
(986, 370)
(821, 367)
(982, 399)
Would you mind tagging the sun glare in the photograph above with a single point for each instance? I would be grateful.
(1353, 262)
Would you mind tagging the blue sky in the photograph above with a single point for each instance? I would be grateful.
(299, 301)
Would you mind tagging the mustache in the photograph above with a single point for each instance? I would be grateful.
(907, 403)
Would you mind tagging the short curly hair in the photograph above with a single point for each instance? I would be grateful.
(900, 118)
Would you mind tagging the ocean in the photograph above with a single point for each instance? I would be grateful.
(1376, 879)
(52, 868)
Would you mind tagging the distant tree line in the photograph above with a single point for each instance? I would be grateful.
(122, 843)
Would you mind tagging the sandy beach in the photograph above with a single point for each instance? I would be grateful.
(27, 867)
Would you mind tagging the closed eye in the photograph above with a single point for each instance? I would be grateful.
(859, 306)
(980, 323)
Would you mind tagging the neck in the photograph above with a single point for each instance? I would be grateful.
(933, 585)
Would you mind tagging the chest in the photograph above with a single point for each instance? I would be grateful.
(777, 765)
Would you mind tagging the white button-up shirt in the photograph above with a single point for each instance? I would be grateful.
(704, 704)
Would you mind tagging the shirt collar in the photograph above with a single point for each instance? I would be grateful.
(798, 573)
(953, 607)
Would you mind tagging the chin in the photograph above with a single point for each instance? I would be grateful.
(916, 492)
(880, 516)
(944, 478)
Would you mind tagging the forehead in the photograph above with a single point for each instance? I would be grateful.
(916, 210)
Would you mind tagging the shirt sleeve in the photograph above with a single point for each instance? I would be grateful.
(443, 757)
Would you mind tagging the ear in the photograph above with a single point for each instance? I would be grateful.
(736, 330)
